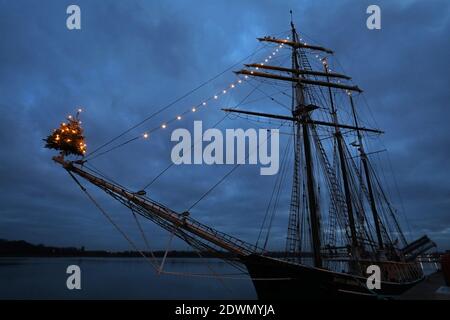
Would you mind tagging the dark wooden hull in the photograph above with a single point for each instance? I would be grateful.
(281, 280)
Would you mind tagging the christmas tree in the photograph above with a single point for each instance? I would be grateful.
(68, 138)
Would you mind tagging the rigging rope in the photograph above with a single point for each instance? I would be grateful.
(113, 148)
(152, 263)
(196, 142)
(227, 174)
(142, 233)
(273, 193)
(173, 102)
(277, 198)
(112, 221)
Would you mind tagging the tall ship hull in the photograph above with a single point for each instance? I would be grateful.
(280, 280)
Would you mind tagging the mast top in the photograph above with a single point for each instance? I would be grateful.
(292, 21)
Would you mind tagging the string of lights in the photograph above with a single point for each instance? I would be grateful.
(202, 105)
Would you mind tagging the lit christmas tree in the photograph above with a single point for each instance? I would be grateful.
(68, 138)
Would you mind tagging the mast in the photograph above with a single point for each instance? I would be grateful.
(364, 160)
(342, 160)
(300, 111)
(293, 238)
(298, 76)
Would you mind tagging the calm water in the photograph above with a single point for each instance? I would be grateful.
(124, 278)
(120, 278)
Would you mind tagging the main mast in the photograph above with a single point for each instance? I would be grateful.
(301, 111)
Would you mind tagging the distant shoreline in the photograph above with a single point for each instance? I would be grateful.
(23, 249)
(20, 248)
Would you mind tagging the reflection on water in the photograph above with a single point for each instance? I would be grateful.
(120, 278)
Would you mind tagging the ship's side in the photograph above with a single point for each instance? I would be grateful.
(281, 280)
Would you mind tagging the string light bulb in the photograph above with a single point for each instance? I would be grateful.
(145, 135)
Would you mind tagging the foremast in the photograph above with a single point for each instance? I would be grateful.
(301, 110)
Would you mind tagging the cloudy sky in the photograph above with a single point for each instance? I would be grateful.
(131, 58)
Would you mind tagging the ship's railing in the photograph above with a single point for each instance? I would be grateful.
(249, 248)
(244, 246)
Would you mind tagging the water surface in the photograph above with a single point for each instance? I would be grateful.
(122, 278)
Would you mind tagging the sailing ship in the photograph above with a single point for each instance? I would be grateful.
(331, 239)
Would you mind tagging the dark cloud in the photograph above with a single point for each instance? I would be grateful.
(130, 58)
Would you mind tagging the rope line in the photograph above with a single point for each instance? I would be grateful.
(196, 142)
(227, 174)
(103, 211)
(173, 102)
(152, 263)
